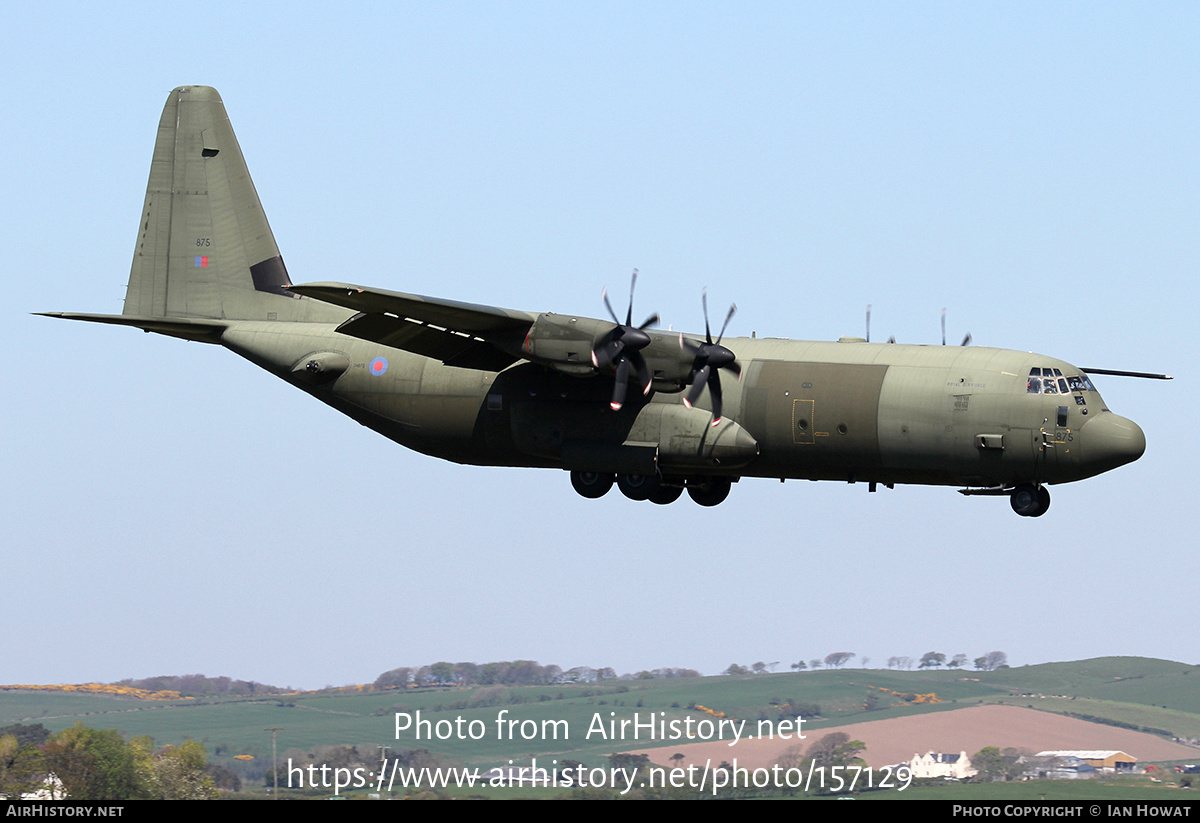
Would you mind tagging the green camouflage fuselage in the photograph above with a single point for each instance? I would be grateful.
(851, 410)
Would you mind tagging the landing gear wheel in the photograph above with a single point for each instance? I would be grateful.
(1043, 502)
(667, 494)
(709, 491)
(591, 484)
(1029, 500)
(638, 486)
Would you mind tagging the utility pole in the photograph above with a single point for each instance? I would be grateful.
(274, 759)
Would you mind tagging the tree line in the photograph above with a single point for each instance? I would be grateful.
(511, 673)
(936, 660)
(532, 673)
(200, 685)
(94, 764)
(836, 660)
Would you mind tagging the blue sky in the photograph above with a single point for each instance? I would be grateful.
(170, 509)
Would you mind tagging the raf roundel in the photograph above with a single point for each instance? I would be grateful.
(377, 366)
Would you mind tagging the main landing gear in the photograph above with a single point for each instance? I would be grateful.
(1029, 500)
(591, 484)
(707, 491)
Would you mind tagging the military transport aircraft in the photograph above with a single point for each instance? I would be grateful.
(489, 386)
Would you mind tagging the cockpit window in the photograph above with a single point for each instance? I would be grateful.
(1046, 380)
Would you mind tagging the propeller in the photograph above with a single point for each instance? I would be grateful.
(708, 358)
(621, 346)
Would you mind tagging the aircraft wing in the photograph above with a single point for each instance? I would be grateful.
(458, 334)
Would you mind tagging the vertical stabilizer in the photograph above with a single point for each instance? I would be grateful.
(204, 247)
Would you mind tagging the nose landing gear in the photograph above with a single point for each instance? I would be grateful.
(1029, 500)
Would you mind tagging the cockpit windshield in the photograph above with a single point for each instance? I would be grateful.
(1046, 380)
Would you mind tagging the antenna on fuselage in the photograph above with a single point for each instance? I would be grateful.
(966, 340)
(891, 339)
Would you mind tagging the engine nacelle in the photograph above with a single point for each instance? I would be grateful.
(566, 343)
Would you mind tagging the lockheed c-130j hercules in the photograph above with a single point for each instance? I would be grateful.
(488, 386)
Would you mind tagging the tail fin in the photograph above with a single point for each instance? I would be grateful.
(204, 248)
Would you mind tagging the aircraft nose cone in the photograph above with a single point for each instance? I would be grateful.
(1110, 440)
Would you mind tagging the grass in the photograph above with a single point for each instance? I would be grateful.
(1121, 690)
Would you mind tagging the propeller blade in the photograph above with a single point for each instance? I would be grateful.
(643, 371)
(714, 388)
(704, 303)
(943, 327)
(868, 322)
(622, 383)
(689, 345)
(606, 354)
(629, 314)
(613, 314)
(698, 383)
(966, 340)
(728, 317)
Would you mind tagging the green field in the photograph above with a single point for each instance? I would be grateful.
(553, 721)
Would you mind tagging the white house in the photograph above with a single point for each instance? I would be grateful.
(934, 764)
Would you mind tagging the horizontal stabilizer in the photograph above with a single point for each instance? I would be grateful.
(188, 328)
